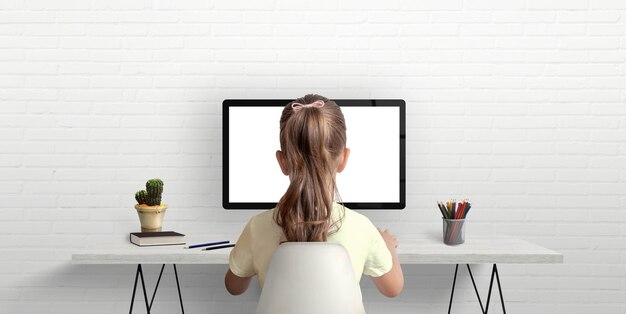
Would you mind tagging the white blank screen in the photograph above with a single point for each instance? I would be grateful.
(372, 174)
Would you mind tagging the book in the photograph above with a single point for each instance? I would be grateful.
(157, 238)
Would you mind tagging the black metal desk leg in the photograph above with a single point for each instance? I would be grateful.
(139, 274)
(485, 309)
(456, 269)
(494, 271)
(480, 302)
(499, 288)
(180, 296)
(157, 285)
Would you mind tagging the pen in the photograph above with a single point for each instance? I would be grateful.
(218, 247)
(206, 244)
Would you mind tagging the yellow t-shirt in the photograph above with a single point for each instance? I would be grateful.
(261, 236)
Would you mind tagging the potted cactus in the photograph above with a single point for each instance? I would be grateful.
(149, 207)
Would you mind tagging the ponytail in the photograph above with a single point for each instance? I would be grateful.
(312, 139)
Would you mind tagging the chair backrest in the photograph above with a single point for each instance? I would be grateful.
(310, 278)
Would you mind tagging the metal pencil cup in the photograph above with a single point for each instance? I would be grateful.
(453, 231)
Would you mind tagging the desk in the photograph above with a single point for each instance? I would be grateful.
(413, 249)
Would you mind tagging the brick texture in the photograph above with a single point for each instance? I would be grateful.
(516, 105)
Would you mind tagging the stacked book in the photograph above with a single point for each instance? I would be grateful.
(157, 238)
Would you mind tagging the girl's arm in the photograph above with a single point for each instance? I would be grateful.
(240, 259)
(236, 285)
(391, 283)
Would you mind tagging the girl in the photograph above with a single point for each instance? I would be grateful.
(313, 151)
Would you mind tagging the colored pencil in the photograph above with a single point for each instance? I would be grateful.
(442, 209)
(454, 210)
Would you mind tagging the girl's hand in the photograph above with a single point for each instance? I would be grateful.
(390, 239)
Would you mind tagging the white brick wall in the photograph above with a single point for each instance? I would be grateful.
(98, 96)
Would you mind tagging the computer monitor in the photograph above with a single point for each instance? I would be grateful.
(374, 177)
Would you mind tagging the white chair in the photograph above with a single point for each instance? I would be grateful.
(310, 278)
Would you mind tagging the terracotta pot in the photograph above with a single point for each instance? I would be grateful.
(151, 217)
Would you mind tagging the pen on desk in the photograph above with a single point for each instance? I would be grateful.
(218, 247)
(206, 244)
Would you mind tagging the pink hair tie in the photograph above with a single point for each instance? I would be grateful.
(296, 106)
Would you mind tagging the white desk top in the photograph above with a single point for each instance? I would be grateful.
(416, 249)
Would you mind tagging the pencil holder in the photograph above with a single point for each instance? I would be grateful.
(453, 231)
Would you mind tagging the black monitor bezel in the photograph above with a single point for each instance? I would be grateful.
(227, 103)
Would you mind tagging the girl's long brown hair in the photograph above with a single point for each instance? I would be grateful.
(312, 140)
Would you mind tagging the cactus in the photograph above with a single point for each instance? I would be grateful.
(141, 197)
(154, 187)
(151, 196)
